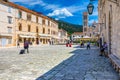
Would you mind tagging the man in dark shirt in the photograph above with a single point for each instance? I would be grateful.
(26, 46)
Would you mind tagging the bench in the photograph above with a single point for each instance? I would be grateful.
(115, 62)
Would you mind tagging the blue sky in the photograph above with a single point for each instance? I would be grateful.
(67, 10)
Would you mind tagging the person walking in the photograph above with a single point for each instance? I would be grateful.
(26, 46)
(81, 43)
(88, 45)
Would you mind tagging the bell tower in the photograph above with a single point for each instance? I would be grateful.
(85, 23)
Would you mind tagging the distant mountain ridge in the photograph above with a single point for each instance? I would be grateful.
(70, 28)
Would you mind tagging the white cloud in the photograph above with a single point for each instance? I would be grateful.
(56, 18)
(46, 6)
(51, 6)
(78, 8)
(34, 3)
(61, 13)
(74, 9)
(30, 2)
(38, 2)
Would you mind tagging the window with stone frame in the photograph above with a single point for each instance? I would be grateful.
(37, 30)
(29, 17)
(19, 14)
(9, 9)
(29, 28)
(48, 31)
(43, 22)
(36, 19)
(9, 41)
(9, 19)
(43, 30)
(20, 27)
(9, 29)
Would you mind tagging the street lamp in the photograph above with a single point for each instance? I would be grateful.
(90, 8)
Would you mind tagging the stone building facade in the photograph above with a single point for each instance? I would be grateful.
(93, 31)
(76, 36)
(7, 24)
(109, 19)
(25, 24)
(63, 36)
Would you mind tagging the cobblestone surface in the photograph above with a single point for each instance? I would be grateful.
(55, 62)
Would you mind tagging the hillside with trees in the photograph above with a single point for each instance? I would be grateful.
(70, 28)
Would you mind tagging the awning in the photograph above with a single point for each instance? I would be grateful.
(44, 35)
(55, 37)
(5, 34)
(27, 36)
(86, 37)
(76, 37)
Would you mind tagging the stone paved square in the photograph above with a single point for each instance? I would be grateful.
(55, 62)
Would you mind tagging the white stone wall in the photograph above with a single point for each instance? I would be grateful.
(5, 12)
(116, 31)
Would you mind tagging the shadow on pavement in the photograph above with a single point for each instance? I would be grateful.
(59, 67)
(66, 71)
